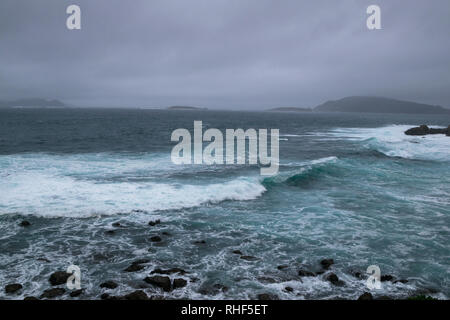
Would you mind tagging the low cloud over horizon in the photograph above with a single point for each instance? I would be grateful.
(249, 54)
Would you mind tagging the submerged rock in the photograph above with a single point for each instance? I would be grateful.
(12, 288)
(289, 289)
(134, 267)
(169, 271)
(159, 281)
(109, 285)
(282, 267)
(59, 277)
(52, 293)
(386, 277)
(154, 223)
(156, 239)
(267, 296)
(237, 252)
(306, 273)
(249, 258)
(25, 223)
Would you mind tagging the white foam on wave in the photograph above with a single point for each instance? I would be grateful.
(392, 141)
(37, 187)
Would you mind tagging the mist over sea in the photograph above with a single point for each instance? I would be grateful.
(351, 187)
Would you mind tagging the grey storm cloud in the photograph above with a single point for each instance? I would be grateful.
(250, 54)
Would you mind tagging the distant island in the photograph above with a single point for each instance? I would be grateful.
(32, 103)
(379, 105)
(185, 108)
(290, 109)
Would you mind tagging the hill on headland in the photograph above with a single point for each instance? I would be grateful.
(378, 105)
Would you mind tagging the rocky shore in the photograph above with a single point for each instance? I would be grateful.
(160, 282)
(425, 130)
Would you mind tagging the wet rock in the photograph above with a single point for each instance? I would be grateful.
(59, 277)
(12, 288)
(156, 239)
(109, 285)
(249, 258)
(110, 232)
(424, 130)
(116, 224)
(76, 293)
(200, 242)
(289, 289)
(334, 279)
(159, 281)
(326, 263)
(52, 293)
(105, 296)
(136, 295)
(25, 223)
(154, 223)
(267, 296)
(237, 252)
(365, 296)
(306, 273)
(43, 260)
(30, 298)
(386, 277)
(169, 271)
(179, 283)
(282, 267)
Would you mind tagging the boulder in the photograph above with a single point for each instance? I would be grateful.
(365, 296)
(154, 223)
(326, 263)
(52, 293)
(306, 273)
(136, 295)
(12, 288)
(109, 285)
(179, 283)
(159, 281)
(334, 279)
(76, 293)
(59, 277)
(156, 239)
(386, 277)
(25, 223)
(424, 130)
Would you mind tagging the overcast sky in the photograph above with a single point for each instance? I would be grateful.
(224, 53)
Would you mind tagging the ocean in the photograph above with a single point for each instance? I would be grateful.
(351, 187)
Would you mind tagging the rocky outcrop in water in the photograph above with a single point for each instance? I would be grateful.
(424, 130)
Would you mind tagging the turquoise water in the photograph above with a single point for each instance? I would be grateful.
(351, 187)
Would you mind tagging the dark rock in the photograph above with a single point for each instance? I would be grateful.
(169, 271)
(282, 267)
(179, 283)
(421, 297)
(200, 242)
(134, 267)
(76, 293)
(334, 279)
(25, 223)
(384, 298)
(116, 224)
(401, 281)
(366, 296)
(43, 260)
(109, 285)
(159, 281)
(424, 130)
(289, 289)
(110, 232)
(249, 258)
(326, 263)
(267, 280)
(237, 252)
(12, 288)
(386, 277)
(154, 223)
(166, 234)
(267, 296)
(105, 296)
(156, 239)
(30, 298)
(59, 277)
(136, 295)
(306, 273)
(52, 293)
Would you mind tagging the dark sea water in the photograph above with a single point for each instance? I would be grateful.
(351, 187)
